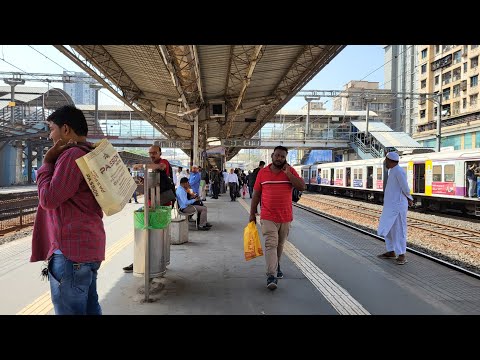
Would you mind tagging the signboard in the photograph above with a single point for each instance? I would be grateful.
(241, 142)
(182, 144)
(444, 188)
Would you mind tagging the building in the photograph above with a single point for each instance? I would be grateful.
(452, 71)
(356, 96)
(400, 74)
(80, 90)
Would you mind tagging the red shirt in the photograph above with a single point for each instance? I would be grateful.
(68, 216)
(167, 170)
(276, 194)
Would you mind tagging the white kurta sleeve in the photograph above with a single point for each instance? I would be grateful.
(402, 180)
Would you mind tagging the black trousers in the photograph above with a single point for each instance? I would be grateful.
(233, 190)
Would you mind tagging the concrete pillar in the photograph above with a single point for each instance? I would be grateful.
(19, 163)
(7, 165)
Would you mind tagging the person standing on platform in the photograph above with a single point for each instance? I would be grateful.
(68, 230)
(194, 179)
(274, 186)
(204, 181)
(155, 153)
(393, 221)
(232, 181)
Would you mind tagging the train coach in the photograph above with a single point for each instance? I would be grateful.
(437, 180)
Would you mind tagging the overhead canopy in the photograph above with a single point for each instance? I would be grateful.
(222, 84)
(386, 136)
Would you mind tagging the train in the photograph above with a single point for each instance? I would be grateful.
(437, 180)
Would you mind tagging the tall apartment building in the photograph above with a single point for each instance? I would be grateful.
(400, 74)
(80, 90)
(380, 100)
(451, 70)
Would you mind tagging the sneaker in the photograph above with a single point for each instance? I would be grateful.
(279, 272)
(271, 282)
(128, 269)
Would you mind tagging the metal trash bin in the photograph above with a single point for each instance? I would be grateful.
(158, 239)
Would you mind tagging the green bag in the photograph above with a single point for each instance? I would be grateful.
(157, 219)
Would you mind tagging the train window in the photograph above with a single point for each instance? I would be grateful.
(339, 174)
(357, 174)
(449, 173)
(437, 173)
(379, 173)
(314, 174)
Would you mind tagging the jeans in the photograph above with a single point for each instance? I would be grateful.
(73, 286)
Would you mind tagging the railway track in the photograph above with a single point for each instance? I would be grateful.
(17, 211)
(437, 259)
(464, 236)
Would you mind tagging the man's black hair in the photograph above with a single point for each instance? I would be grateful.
(280, 147)
(183, 180)
(261, 163)
(72, 117)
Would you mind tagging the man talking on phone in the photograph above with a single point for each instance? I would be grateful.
(273, 186)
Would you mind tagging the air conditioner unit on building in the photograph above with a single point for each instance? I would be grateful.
(216, 109)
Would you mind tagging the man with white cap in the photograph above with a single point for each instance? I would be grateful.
(393, 222)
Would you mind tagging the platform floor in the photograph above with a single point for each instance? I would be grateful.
(328, 270)
(17, 189)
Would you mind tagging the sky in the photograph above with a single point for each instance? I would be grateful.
(354, 62)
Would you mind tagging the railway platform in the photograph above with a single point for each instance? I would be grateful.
(328, 270)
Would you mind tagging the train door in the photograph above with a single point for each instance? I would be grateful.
(332, 176)
(369, 177)
(468, 164)
(419, 178)
(349, 177)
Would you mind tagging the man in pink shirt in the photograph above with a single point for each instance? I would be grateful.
(68, 229)
(273, 186)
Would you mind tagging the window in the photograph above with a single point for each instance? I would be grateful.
(473, 81)
(457, 57)
(437, 79)
(357, 174)
(456, 90)
(473, 46)
(465, 67)
(446, 94)
(473, 99)
(437, 49)
(424, 53)
(379, 173)
(437, 173)
(424, 68)
(449, 173)
(422, 114)
(457, 73)
(467, 141)
(456, 108)
(464, 103)
(423, 84)
(339, 174)
(474, 62)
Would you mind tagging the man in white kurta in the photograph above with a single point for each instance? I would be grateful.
(393, 222)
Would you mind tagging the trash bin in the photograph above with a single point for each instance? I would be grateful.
(159, 244)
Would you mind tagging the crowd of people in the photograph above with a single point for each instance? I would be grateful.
(68, 212)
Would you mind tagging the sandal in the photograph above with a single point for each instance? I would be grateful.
(386, 255)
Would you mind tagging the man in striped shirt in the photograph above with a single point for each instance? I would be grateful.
(274, 187)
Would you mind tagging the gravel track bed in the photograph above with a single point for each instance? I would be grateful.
(454, 252)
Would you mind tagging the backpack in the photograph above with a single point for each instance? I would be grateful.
(296, 195)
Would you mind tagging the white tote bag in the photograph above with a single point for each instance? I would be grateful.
(107, 176)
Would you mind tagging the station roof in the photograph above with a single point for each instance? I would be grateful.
(170, 84)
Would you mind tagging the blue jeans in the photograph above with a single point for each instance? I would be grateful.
(73, 286)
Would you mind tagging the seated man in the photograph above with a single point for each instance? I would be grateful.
(186, 206)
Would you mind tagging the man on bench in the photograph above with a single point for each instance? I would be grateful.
(187, 206)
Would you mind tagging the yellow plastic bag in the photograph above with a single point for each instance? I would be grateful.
(251, 242)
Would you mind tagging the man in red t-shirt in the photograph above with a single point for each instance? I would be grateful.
(274, 187)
